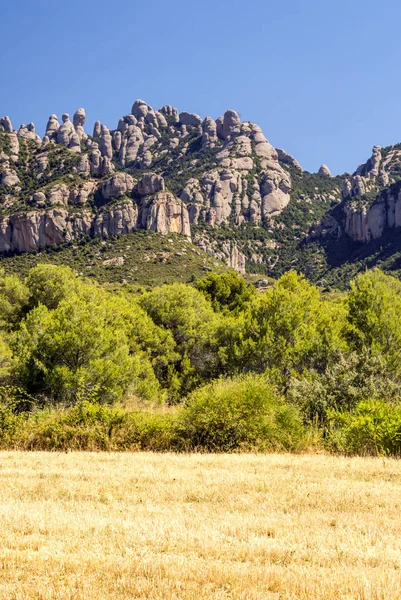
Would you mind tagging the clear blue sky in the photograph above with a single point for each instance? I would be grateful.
(322, 78)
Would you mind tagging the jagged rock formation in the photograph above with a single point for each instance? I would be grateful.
(228, 172)
(218, 182)
(371, 200)
(5, 123)
(160, 211)
(79, 122)
(52, 127)
(366, 223)
(287, 159)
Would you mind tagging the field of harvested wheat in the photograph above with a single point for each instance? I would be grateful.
(100, 526)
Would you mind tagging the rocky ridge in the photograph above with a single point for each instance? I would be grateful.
(116, 180)
(371, 199)
(217, 182)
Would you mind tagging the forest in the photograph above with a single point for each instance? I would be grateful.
(216, 365)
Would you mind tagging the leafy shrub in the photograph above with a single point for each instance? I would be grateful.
(49, 285)
(239, 413)
(290, 328)
(86, 426)
(373, 428)
(374, 304)
(83, 427)
(147, 431)
(352, 379)
(189, 317)
(9, 423)
(227, 291)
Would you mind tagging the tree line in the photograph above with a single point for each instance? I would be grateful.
(227, 366)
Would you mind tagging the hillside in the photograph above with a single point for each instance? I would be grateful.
(140, 258)
(217, 183)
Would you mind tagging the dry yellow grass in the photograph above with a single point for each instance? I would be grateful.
(164, 527)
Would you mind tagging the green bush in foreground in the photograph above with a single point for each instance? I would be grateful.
(241, 413)
(224, 416)
(372, 428)
(86, 426)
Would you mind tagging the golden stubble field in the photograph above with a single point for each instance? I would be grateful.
(191, 527)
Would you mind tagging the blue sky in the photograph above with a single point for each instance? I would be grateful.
(323, 79)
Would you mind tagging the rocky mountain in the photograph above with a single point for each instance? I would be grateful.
(219, 183)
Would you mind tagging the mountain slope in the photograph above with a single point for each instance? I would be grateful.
(140, 258)
(217, 183)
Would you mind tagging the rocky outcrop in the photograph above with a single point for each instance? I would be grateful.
(79, 122)
(149, 183)
(67, 136)
(164, 213)
(227, 252)
(119, 220)
(140, 109)
(65, 131)
(365, 220)
(105, 142)
(231, 125)
(236, 259)
(5, 124)
(36, 229)
(364, 223)
(378, 172)
(28, 132)
(324, 171)
(52, 127)
(118, 185)
(171, 113)
(287, 159)
(30, 231)
(373, 164)
(9, 178)
(190, 119)
(275, 190)
(209, 134)
(356, 225)
(59, 195)
(14, 146)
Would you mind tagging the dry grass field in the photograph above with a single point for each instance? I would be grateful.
(163, 527)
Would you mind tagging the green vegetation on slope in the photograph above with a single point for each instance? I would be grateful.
(140, 258)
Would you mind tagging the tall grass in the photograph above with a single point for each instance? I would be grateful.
(226, 415)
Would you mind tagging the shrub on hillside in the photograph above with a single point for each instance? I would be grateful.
(240, 413)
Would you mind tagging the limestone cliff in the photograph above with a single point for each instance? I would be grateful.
(159, 170)
(218, 182)
(371, 199)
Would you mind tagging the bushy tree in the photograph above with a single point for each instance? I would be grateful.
(14, 297)
(226, 292)
(80, 341)
(289, 329)
(351, 379)
(145, 337)
(374, 303)
(372, 428)
(50, 284)
(185, 312)
(6, 360)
